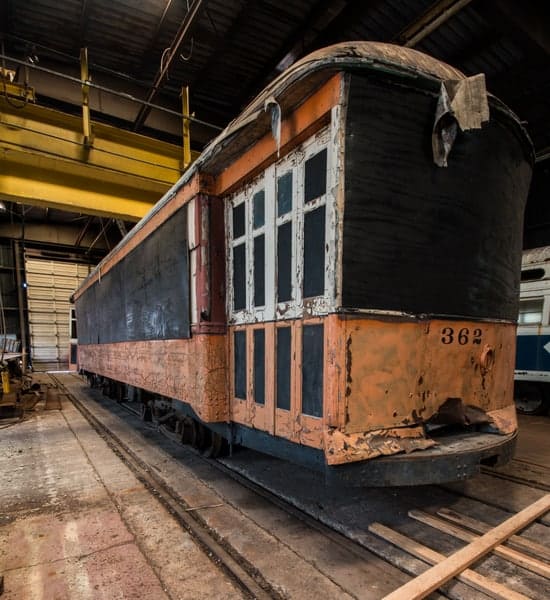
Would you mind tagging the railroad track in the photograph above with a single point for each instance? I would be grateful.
(246, 576)
(399, 546)
(532, 480)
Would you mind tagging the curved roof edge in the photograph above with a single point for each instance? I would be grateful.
(379, 56)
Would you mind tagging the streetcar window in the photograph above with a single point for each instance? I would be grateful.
(259, 209)
(281, 260)
(284, 194)
(283, 367)
(316, 176)
(239, 358)
(239, 277)
(73, 324)
(532, 274)
(312, 370)
(284, 262)
(259, 270)
(238, 221)
(314, 253)
(259, 366)
(530, 311)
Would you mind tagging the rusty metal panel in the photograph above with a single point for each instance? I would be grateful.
(193, 370)
(401, 373)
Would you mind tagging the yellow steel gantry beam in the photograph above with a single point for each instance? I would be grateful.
(45, 160)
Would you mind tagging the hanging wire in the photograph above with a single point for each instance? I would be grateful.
(190, 51)
(163, 58)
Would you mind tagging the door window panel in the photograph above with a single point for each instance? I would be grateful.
(530, 311)
(316, 176)
(312, 370)
(283, 367)
(239, 364)
(280, 251)
(314, 253)
(259, 366)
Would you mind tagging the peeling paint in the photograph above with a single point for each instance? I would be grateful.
(386, 365)
(193, 371)
(341, 448)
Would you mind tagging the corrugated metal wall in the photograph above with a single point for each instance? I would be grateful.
(49, 287)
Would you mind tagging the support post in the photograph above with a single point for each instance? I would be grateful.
(20, 303)
(84, 76)
(186, 127)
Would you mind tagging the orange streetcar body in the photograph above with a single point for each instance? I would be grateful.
(335, 280)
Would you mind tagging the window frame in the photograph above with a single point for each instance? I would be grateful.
(297, 307)
(543, 310)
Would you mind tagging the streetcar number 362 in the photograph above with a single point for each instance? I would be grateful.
(462, 336)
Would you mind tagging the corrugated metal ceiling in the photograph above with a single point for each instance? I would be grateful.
(233, 46)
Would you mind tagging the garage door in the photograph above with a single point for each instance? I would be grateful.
(49, 288)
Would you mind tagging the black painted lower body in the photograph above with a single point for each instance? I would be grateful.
(456, 457)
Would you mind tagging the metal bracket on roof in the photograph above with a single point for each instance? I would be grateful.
(84, 76)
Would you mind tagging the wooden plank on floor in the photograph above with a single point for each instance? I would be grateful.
(479, 582)
(434, 577)
(532, 564)
(519, 543)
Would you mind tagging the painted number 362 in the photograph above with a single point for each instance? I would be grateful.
(462, 336)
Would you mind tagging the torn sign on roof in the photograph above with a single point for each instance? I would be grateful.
(461, 104)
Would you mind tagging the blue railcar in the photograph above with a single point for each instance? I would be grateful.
(532, 374)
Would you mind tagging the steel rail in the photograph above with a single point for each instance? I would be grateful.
(363, 550)
(225, 557)
(332, 535)
(516, 479)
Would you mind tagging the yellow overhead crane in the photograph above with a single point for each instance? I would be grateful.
(53, 159)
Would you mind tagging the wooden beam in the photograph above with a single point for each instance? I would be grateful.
(436, 576)
(531, 564)
(479, 582)
(516, 541)
(437, 14)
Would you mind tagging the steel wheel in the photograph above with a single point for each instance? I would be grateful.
(215, 447)
(529, 398)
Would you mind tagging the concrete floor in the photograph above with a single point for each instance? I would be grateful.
(75, 523)
(534, 440)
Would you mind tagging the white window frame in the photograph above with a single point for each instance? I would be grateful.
(297, 307)
(544, 309)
